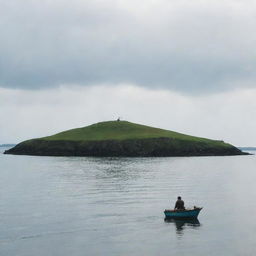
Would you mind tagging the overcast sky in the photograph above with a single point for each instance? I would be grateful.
(182, 65)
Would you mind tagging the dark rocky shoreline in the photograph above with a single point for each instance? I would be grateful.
(156, 147)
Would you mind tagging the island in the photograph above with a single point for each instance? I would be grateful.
(123, 139)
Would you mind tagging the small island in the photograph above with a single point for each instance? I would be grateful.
(123, 139)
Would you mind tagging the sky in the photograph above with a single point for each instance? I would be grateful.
(187, 66)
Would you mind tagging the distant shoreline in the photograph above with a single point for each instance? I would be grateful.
(247, 148)
(7, 145)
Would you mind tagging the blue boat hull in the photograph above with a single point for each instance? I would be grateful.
(176, 214)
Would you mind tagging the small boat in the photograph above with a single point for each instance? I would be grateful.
(188, 213)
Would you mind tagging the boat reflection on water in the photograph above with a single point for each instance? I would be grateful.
(181, 224)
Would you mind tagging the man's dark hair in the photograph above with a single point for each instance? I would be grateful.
(179, 197)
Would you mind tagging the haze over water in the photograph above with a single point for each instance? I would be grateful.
(114, 206)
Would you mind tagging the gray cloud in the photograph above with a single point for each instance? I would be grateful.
(178, 45)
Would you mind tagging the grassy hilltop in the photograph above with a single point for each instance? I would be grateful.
(121, 130)
(122, 138)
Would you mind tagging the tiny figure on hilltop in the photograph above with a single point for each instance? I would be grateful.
(179, 204)
(118, 119)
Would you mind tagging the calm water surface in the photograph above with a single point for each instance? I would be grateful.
(114, 206)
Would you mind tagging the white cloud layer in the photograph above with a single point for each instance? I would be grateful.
(27, 114)
(188, 46)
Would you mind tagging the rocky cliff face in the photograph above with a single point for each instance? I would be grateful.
(154, 147)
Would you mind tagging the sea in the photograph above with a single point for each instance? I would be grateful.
(79, 206)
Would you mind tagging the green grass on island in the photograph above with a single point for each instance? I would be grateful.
(122, 138)
(123, 130)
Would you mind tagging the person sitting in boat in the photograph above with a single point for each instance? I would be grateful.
(179, 204)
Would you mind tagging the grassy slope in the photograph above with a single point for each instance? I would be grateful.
(123, 130)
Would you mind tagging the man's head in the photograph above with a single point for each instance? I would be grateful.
(179, 197)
